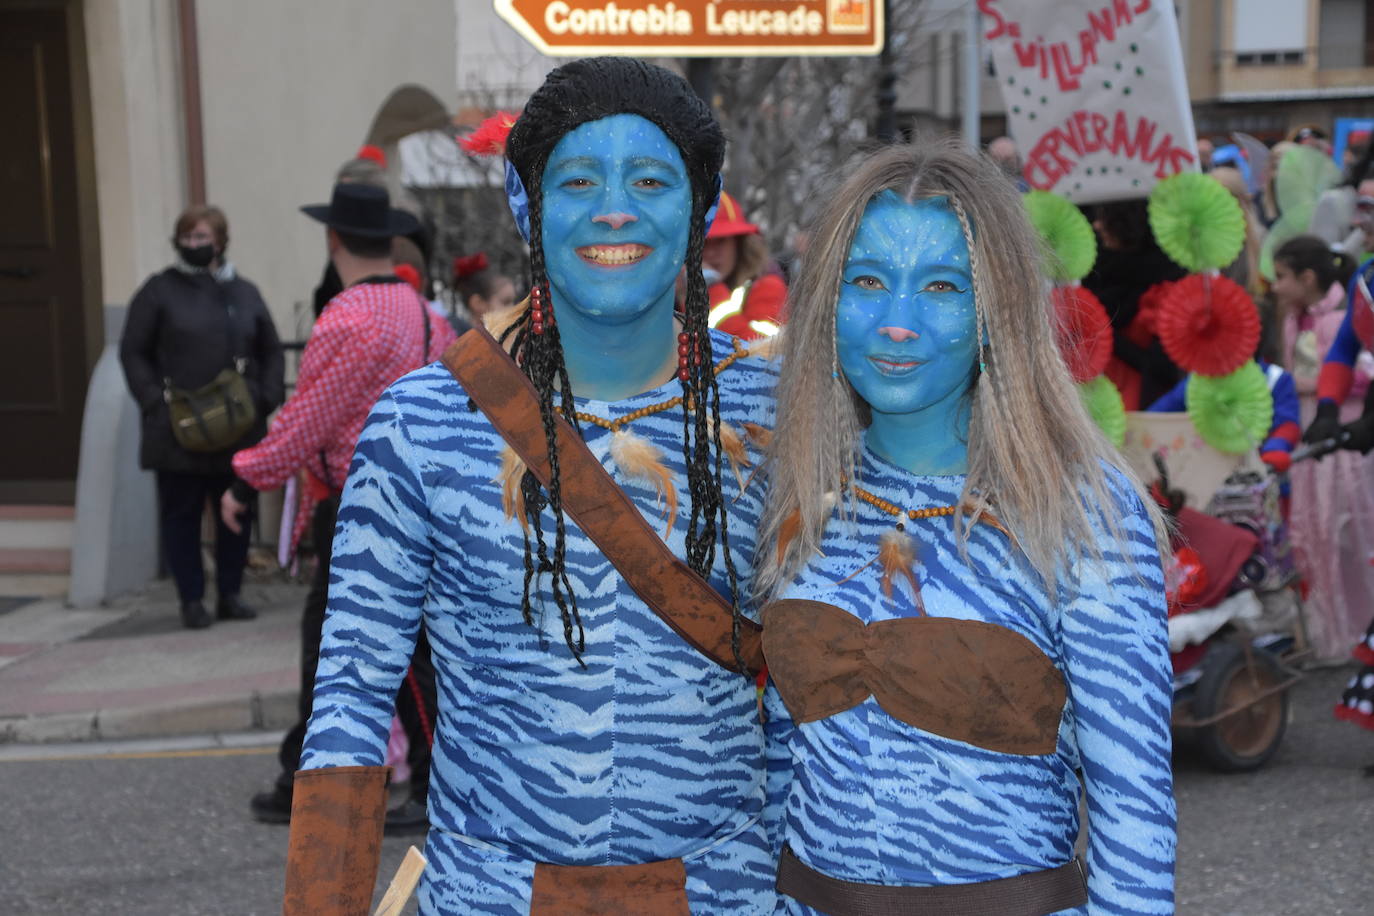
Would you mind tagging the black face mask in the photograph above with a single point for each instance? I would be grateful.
(199, 256)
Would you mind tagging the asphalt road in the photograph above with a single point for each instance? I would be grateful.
(1292, 839)
(168, 832)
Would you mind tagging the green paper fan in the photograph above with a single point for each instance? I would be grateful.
(1069, 240)
(1233, 412)
(1105, 406)
(1196, 221)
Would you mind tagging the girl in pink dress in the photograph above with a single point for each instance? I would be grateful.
(1332, 521)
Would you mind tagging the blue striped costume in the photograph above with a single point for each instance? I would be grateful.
(651, 752)
(878, 801)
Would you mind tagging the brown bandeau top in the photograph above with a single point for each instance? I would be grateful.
(966, 680)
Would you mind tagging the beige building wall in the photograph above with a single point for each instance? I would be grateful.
(1199, 25)
(136, 120)
(289, 91)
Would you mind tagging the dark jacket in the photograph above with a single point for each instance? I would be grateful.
(180, 327)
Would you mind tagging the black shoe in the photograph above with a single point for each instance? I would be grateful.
(230, 607)
(194, 616)
(272, 807)
(411, 817)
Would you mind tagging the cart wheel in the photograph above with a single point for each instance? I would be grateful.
(1245, 740)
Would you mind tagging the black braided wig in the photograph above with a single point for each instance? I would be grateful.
(574, 94)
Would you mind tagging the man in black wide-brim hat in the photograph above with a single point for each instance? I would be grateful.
(373, 332)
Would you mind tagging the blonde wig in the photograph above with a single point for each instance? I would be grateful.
(1035, 458)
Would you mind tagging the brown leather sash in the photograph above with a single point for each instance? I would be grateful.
(1035, 894)
(654, 889)
(680, 597)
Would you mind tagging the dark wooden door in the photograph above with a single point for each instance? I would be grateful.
(43, 364)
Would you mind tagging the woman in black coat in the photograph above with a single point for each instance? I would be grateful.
(184, 326)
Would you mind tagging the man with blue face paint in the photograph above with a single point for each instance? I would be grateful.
(962, 584)
(553, 505)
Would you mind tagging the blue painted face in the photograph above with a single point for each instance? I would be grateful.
(616, 211)
(905, 325)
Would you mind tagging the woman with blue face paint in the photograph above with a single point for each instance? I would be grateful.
(597, 747)
(965, 601)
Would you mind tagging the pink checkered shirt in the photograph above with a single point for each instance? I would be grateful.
(367, 337)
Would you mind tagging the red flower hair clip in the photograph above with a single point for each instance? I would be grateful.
(408, 273)
(489, 139)
(466, 267)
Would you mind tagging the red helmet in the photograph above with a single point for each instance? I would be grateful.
(730, 220)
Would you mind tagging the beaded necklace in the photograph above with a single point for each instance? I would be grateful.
(635, 456)
(619, 423)
(897, 555)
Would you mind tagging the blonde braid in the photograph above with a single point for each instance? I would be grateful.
(979, 284)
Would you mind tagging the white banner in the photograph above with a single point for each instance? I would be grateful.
(1095, 92)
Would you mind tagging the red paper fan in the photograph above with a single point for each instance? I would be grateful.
(1085, 332)
(1208, 325)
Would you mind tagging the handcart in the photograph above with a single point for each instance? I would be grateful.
(1235, 597)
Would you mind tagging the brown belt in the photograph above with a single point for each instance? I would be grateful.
(652, 889)
(1034, 894)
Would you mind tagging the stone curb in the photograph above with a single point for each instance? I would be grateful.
(267, 711)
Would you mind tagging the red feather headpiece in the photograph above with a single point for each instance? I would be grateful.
(368, 151)
(489, 139)
(466, 267)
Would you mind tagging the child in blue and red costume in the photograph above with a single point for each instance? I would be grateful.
(1356, 334)
(1333, 507)
(1339, 376)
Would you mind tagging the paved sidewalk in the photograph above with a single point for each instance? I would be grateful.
(132, 671)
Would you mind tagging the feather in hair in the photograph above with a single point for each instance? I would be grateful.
(761, 436)
(897, 556)
(792, 524)
(768, 348)
(637, 457)
(511, 474)
(733, 446)
(489, 139)
(787, 531)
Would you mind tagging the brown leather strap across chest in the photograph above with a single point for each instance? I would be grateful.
(682, 599)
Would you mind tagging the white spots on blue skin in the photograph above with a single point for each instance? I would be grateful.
(615, 189)
(906, 330)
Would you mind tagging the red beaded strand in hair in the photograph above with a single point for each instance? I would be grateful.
(541, 310)
(688, 354)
